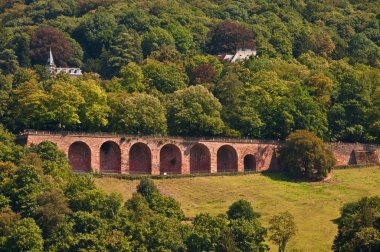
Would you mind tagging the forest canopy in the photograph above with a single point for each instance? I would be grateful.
(317, 67)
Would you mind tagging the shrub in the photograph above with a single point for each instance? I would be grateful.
(306, 156)
(242, 209)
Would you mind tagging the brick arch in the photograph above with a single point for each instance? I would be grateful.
(110, 157)
(226, 159)
(200, 159)
(140, 159)
(170, 159)
(80, 157)
(250, 163)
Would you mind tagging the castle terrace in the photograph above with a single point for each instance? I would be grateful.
(130, 154)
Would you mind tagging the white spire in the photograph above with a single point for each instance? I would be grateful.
(51, 60)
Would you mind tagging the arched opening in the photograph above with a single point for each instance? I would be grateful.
(80, 157)
(227, 159)
(170, 159)
(249, 163)
(140, 159)
(200, 159)
(110, 158)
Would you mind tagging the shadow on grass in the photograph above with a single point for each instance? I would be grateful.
(280, 176)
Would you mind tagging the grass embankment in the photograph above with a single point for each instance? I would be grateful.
(315, 206)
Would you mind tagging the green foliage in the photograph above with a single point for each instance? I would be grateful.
(165, 77)
(9, 151)
(165, 205)
(137, 114)
(194, 111)
(24, 235)
(358, 227)
(242, 209)
(282, 228)
(305, 156)
(155, 39)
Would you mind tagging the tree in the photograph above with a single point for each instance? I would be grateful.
(25, 235)
(282, 228)
(249, 235)
(48, 37)
(52, 209)
(137, 114)
(228, 36)
(206, 233)
(358, 226)
(363, 50)
(132, 78)
(194, 111)
(242, 209)
(96, 31)
(165, 77)
(8, 61)
(155, 39)
(182, 36)
(94, 112)
(9, 150)
(125, 49)
(305, 156)
(65, 105)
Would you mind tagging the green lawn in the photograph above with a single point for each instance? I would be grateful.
(315, 206)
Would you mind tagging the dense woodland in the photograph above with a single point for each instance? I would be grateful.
(151, 67)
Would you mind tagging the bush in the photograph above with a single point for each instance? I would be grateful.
(305, 156)
(242, 209)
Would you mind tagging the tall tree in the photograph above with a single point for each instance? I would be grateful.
(48, 37)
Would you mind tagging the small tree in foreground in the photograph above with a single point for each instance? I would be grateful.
(242, 209)
(306, 156)
(282, 228)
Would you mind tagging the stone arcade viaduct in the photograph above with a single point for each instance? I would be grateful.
(125, 154)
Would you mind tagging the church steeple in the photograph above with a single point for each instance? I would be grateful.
(51, 59)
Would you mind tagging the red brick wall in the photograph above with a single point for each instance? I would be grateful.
(152, 155)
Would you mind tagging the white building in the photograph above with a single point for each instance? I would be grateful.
(52, 69)
(240, 55)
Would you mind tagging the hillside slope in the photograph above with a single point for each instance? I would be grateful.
(315, 206)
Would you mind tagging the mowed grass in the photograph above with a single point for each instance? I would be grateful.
(315, 206)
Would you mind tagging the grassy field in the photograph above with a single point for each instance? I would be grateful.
(315, 206)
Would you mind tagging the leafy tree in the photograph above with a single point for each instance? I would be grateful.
(64, 105)
(182, 36)
(96, 31)
(206, 233)
(132, 78)
(94, 112)
(155, 39)
(52, 209)
(46, 38)
(95, 200)
(165, 77)
(25, 235)
(305, 156)
(137, 114)
(358, 228)
(282, 228)
(8, 61)
(228, 36)
(242, 209)
(126, 49)
(9, 151)
(194, 111)
(249, 235)
(147, 188)
(363, 50)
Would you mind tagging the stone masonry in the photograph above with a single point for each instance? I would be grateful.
(109, 153)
